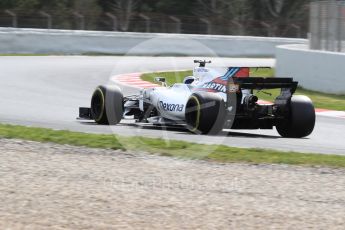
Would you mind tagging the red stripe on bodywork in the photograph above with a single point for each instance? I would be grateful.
(243, 72)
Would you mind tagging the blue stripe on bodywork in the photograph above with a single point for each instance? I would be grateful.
(231, 72)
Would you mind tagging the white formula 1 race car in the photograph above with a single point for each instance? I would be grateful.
(207, 102)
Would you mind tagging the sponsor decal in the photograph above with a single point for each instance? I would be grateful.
(171, 107)
(201, 70)
(219, 87)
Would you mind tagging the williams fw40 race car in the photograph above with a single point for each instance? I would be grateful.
(207, 102)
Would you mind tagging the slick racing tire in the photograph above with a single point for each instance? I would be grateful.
(107, 105)
(205, 113)
(301, 120)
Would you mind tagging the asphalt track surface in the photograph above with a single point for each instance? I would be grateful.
(47, 91)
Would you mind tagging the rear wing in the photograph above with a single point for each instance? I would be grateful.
(235, 85)
(264, 83)
(241, 79)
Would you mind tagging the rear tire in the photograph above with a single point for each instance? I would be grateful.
(107, 105)
(205, 113)
(301, 120)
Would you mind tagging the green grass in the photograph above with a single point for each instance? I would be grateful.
(177, 77)
(320, 100)
(181, 149)
(171, 77)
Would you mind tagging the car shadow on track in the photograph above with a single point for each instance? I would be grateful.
(183, 130)
(251, 135)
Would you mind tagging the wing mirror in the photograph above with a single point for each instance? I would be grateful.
(162, 80)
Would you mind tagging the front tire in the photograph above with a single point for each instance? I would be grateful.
(205, 113)
(301, 120)
(107, 105)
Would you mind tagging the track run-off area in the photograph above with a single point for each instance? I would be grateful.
(46, 91)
